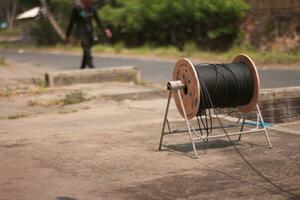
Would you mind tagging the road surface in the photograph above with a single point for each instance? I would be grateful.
(153, 70)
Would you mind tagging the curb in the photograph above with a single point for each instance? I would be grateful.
(112, 74)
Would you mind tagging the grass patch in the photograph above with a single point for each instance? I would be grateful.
(17, 116)
(22, 90)
(66, 111)
(2, 61)
(39, 82)
(44, 102)
(190, 50)
(6, 92)
(10, 32)
(264, 57)
(75, 97)
(120, 48)
(143, 83)
(38, 90)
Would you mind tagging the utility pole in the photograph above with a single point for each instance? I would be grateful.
(52, 20)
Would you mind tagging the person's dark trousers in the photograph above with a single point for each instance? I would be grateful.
(87, 59)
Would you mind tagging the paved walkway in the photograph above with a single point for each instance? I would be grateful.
(107, 149)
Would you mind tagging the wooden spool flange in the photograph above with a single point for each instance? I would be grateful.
(246, 60)
(185, 72)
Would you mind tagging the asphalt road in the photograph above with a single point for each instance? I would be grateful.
(153, 70)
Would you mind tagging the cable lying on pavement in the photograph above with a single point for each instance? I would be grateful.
(200, 90)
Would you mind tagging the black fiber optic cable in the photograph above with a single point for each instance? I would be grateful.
(222, 86)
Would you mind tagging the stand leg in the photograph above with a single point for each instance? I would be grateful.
(267, 138)
(187, 124)
(165, 120)
(242, 127)
(169, 127)
(263, 124)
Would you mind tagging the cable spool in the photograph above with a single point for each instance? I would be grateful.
(195, 78)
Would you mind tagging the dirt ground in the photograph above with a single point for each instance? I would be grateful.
(107, 148)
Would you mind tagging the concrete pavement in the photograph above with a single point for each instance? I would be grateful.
(106, 149)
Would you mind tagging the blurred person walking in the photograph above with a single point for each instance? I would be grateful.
(82, 17)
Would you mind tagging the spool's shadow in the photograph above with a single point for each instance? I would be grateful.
(222, 145)
(65, 198)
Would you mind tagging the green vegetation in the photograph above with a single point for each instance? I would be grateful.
(201, 29)
(191, 51)
(39, 82)
(22, 90)
(67, 111)
(209, 24)
(266, 57)
(42, 31)
(12, 32)
(74, 97)
(17, 116)
(6, 92)
(16, 45)
(2, 61)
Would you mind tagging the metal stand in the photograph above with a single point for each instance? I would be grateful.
(194, 136)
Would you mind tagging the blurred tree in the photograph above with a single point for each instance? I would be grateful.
(9, 8)
(57, 16)
(52, 20)
(209, 24)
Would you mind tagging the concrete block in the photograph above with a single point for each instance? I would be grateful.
(279, 103)
(113, 74)
(281, 119)
(280, 111)
(279, 93)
